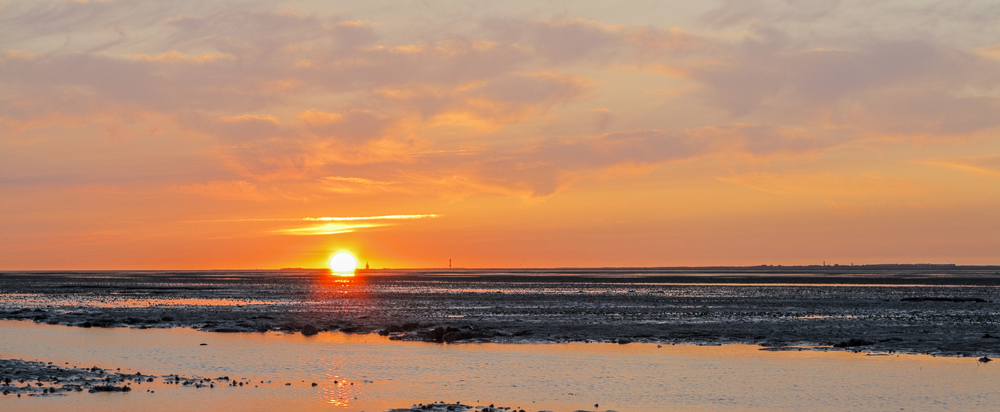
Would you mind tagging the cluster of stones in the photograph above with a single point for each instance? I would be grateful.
(35, 378)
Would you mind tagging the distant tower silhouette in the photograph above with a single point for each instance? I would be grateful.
(366, 265)
(449, 263)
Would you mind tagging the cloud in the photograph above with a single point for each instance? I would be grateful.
(235, 190)
(738, 12)
(987, 166)
(827, 185)
(327, 229)
(175, 56)
(290, 98)
(565, 41)
(234, 129)
(352, 126)
(914, 87)
(800, 63)
(327, 218)
(766, 140)
(551, 165)
(330, 225)
(561, 41)
(357, 185)
(603, 118)
(491, 103)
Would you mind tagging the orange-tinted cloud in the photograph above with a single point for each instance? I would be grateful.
(237, 190)
(141, 108)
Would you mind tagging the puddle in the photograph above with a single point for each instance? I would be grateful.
(373, 373)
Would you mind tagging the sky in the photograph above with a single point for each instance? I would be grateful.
(182, 134)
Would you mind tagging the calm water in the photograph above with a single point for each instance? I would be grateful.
(557, 377)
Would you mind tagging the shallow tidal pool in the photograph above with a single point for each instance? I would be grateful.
(372, 373)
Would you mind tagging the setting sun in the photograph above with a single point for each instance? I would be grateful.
(343, 263)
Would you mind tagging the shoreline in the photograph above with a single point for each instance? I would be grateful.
(459, 331)
(892, 314)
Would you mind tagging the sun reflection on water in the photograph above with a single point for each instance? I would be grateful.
(339, 391)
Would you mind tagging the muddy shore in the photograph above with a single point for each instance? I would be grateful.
(953, 313)
(44, 379)
(34, 378)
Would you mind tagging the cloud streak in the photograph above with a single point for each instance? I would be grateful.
(322, 219)
(332, 224)
(328, 229)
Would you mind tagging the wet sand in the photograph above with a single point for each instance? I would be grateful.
(940, 311)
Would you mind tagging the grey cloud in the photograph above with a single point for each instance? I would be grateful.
(602, 119)
(150, 84)
(733, 12)
(537, 170)
(925, 112)
(772, 74)
(560, 41)
(569, 41)
(352, 126)
(236, 129)
(519, 88)
(273, 159)
(508, 96)
(764, 140)
(545, 168)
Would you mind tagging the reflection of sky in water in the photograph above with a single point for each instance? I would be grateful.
(119, 301)
(560, 377)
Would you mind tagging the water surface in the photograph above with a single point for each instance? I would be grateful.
(375, 374)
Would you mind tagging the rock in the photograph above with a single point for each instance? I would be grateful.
(309, 330)
(462, 335)
(110, 388)
(434, 335)
(985, 359)
(852, 343)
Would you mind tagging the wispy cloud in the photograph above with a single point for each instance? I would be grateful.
(333, 224)
(337, 227)
(320, 219)
(328, 228)
(989, 166)
(385, 217)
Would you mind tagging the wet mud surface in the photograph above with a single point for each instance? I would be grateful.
(942, 312)
(34, 378)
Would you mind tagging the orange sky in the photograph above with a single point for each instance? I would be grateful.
(200, 135)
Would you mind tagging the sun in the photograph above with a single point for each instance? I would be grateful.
(343, 263)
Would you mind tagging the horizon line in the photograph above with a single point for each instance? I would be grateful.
(688, 267)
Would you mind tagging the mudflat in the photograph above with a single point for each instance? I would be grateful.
(941, 310)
